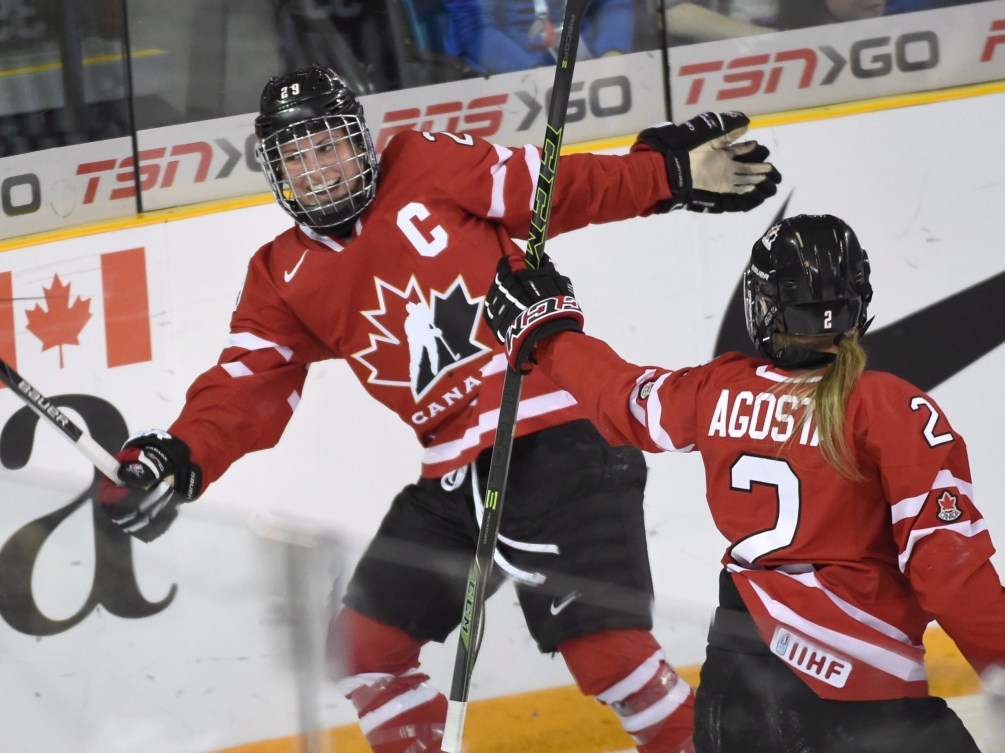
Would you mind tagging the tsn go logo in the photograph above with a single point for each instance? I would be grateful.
(115, 178)
(483, 116)
(761, 74)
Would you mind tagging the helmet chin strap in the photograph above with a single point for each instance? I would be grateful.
(342, 231)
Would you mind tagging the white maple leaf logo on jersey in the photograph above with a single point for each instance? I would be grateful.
(418, 337)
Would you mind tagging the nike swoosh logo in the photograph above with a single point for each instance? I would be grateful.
(977, 311)
(292, 273)
(556, 608)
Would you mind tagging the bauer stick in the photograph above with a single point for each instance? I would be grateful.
(473, 613)
(100, 458)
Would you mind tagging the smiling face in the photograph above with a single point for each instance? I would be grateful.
(315, 150)
(321, 169)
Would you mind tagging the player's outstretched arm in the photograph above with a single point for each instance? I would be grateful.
(707, 169)
(527, 309)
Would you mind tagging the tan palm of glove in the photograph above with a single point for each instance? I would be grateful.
(707, 171)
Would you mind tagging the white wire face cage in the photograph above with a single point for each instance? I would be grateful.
(322, 171)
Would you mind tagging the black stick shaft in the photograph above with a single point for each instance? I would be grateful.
(481, 568)
(100, 457)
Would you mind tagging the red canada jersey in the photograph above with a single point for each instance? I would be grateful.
(401, 300)
(842, 577)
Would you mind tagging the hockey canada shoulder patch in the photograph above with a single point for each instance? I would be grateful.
(948, 507)
(647, 388)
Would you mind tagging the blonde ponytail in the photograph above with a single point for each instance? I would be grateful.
(829, 396)
(830, 401)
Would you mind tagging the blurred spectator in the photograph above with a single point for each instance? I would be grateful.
(376, 45)
(429, 18)
(798, 14)
(690, 21)
(709, 20)
(499, 36)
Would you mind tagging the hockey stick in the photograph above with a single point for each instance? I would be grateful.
(100, 457)
(473, 614)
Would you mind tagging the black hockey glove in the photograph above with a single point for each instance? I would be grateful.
(707, 172)
(525, 305)
(142, 507)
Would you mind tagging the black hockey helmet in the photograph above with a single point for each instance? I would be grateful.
(808, 275)
(302, 117)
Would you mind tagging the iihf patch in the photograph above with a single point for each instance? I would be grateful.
(646, 389)
(948, 509)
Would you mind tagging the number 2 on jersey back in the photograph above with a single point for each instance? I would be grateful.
(750, 470)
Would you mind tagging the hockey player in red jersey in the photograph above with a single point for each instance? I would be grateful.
(386, 268)
(845, 495)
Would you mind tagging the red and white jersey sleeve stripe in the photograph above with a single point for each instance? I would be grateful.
(590, 188)
(246, 400)
(944, 547)
(629, 404)
(240, 405)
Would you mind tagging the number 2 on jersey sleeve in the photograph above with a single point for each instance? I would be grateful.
(750, 470)
(931, 437)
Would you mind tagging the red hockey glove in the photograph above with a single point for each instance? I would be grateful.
(525, 305)
(707, 172)
(139, 508)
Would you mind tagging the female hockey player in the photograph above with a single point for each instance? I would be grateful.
(386, 268)
(845, 495)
